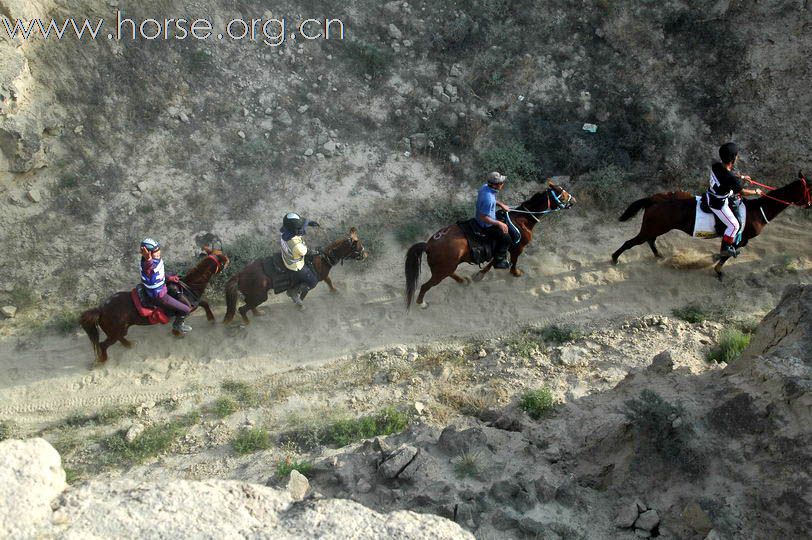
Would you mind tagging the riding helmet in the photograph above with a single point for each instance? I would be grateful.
(293, 223)
(496, 178)
(150, 244)
(728, 152)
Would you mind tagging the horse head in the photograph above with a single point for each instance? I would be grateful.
(553, 198)
(350, 247)
(806, 200)
(217, 256)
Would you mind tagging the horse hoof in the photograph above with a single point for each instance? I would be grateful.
(517, 272)
(424, 305)
(477, 277)
(614, 261)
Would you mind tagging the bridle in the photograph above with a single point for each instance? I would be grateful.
(804, 201)
(551, 196)
(331, 259)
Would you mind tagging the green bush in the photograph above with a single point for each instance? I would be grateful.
(154, 441)
(512, 159)
(536, 403)
(693, 313)
(560, 334)
(607, 188)
(653, 421)
(385, 422)
(525, 343)
(409, 232)
(732, 343)
(105, 417)
(224, 406)
(242, 251)
(367, 58)
(251, 440)
(284, 467)
(65, 322)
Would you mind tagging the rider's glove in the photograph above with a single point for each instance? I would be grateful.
(313, 224)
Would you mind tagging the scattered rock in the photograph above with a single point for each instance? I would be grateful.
(330, 148)
(696, 518)
(142, 187)
(134, 432)
(663, 363)
(456, 442)
(34, 196)
(303, 109)
(8, 312)
(647, 520)
(627, 516)
(420, 141)
(297, 485)
(308, 152)
(394, 32)
(413, 356)
(285, 118)
(713, 535)
(241, 134)
(395, 464)
(419, 408)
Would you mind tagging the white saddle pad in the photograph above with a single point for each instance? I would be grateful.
(705, 223)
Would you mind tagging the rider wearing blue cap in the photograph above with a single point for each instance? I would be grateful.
(153, 277)
(497, 231)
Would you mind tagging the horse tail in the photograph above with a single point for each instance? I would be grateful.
(414, 257)
(635, 207)
(232, 294)
(89, 320)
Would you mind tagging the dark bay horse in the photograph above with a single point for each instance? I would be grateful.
(254, 284)
(118, 312)
(448, 248)
(665, 212)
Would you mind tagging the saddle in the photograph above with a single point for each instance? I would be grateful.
(146, 308)
(481, 247)
(282, 278)
(708, 225)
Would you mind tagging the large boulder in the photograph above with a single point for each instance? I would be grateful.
(32, 479)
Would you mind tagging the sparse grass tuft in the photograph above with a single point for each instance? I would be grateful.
(65, 322)
(536, 403)
(245, 394)
(466, 466)
(732, 343)
(154, 441)
(693, 313)
(251, 440)
(8, 430)
(284, 467)
(525, 343)
(511, 158)
(105, 417)
(343, 431)
(224, 406)
(409, 232)
(368, 59)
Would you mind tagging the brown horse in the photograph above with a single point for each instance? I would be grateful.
(665, 212)
(118, 313)
(446, 249)
(254, 284)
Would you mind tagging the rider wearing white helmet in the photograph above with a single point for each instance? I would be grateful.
(153, 277)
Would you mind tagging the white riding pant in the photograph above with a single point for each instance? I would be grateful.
(730, 220)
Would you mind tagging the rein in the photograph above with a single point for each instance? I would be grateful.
(329, 257)
(803, 201)
(550, 209)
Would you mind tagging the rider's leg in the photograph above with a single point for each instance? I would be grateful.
(180, 309)
(729, 219)
(502, 243)
(306, 280)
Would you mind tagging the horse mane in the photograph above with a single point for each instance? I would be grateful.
(671, 196)
(192, 276)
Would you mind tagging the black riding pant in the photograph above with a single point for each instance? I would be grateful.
(306, 276)
(501, 240)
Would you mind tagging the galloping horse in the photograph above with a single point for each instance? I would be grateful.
(254, 284)
(118, 313)
(446, 249)
(665, 212)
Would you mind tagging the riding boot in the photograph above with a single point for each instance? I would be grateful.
(180, 325)
(728, 250)
(500, 261)
(296, 294)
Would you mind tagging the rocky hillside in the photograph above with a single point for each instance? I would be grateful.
(34, 503)
(103, 142)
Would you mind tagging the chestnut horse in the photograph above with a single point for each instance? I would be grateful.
(448, 248)
(665, 212)
(254, 284)
(118, 312)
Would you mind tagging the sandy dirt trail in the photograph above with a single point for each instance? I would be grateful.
(568, 279)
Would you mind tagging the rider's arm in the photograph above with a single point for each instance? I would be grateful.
(752, 192)
(488, 219)
(503, 206)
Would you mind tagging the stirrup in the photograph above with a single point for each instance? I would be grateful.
(501, 263)
(730, 250)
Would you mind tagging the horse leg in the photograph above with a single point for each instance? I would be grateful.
(329, 283)
(460, 279)
(435, 279)
(514, 259)
(251, 302)
(103, 348)
(126, 342)
(653, 246)
(718, 266)
(481, 274)
(628, 244)
(207, 308)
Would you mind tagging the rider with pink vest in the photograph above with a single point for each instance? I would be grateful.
(726, 189)
(153, 278)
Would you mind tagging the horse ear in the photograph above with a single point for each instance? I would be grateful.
(801, 175)
(550, 183)
(206, 250)
(354, 233)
